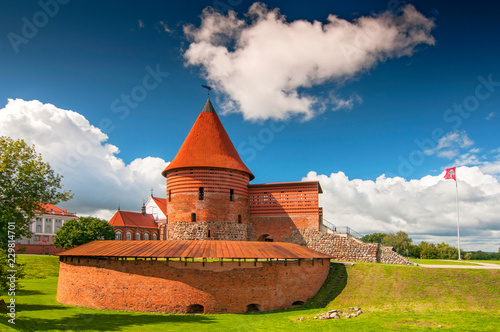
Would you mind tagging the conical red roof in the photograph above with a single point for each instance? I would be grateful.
(208, 145)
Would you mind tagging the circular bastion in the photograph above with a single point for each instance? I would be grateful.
(190, 276)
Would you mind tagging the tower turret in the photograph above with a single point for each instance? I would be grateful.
(207, 181)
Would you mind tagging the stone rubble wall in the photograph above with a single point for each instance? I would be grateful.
(388, 256)
(227, 231)
(347, 248)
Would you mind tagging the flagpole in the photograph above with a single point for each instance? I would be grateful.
(458, 215)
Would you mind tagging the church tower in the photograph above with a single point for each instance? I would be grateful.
(206, 181)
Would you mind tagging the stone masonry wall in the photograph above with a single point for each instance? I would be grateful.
(228, 231)
(388, 256)
(346, 248)
(154, 286)
(343, 248)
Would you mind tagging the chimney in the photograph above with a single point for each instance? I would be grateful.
(143, 209)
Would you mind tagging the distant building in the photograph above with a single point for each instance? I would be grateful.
(134, 226)
(44, 228)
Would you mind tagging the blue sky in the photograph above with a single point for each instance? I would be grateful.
(87, 55)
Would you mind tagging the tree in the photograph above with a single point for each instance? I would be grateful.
(373, 238)
(83, 230)
(400, 241)
(25, 182)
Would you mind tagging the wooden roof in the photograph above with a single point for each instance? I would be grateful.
(194, 249)
(208, 145)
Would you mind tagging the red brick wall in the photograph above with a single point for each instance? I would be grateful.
(154, 287)
(133, 231)
(280, 228)
(39, 249)
(183, 195)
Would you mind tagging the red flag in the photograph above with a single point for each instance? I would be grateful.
(44, 241)
(451, 173)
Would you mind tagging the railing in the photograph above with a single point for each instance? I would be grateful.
(341, 229)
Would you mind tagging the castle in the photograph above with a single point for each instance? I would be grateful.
(216, 244)
(209, 196)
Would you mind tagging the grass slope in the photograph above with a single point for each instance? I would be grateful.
(393, 298)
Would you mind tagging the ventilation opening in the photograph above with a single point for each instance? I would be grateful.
(253, 308)
(208, 233)
(231, 195)
(195, 309)
(297, 303)
(201, 193)
(239, 218)
(193, 217)
(263, 237)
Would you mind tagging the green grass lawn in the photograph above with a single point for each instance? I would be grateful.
(487, 261)
(393, 298)
(441, 262)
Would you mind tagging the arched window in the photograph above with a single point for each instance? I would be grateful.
(129, 236)
(146, 236)
(154, 236)
(48, 229)
(201, 193)
(118, 236)
(239, 218)
(193, 217)
(38, 228)
(231, 195)
(137, 236)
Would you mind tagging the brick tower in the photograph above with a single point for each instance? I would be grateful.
(207, 184)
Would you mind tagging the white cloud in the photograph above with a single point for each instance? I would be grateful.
(261, 65)
(450, 144)
(78, 151)
(162, 26)
(423, 208)
(490, 116)
(140, 24)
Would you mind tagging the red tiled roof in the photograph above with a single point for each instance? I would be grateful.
(162, 204)
(195, 249)
(208, 145)
(133, 219)
(52, 209)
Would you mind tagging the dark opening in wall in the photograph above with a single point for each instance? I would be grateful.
(193, 217)
(201, 193)
(208, 233)
(231, 195)
(239, 218)
(298, 303)
(170, 195)
(254, 307)
(195, 309)
(263, 237)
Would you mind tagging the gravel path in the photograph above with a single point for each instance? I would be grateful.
(477, 266)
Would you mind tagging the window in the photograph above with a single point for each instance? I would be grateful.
(193, 217)
(208, 233)
(231, 194)
(137, 236)
(170, 195)
(37, 238)
(146, 236)
(38, 219)
(154, 236)
(46, 238)
(118, 236)
(48, 220)
(239, 218)
(48, 229)
(38, 228)
(128, 236)
(58, 228)
(201, 193)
